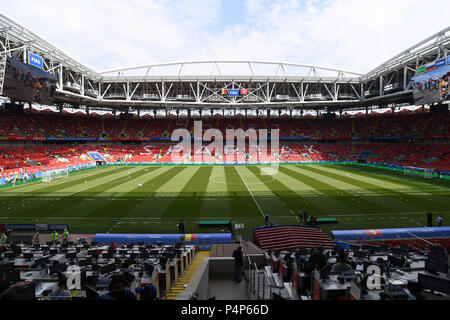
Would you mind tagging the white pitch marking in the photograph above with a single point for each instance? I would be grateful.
(260, 210)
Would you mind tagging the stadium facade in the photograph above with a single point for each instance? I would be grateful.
(224, 86)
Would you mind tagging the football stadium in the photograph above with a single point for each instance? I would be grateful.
(168, 181)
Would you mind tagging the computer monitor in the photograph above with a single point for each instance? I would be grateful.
(395, 260)
(148, 267)
(434, 283)
(359, 254)
(82, 262)
(62, 267)
(71, 255)
(106, 255)
(6, 267)
(128, 278)
(91, 294)
(52, 269)
(28, 255)
(108, 268)
(25, 293)
(144, 255)
(13, 276)
(436, 266)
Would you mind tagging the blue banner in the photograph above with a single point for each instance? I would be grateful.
(440, 63)
(35, 60)
(233, 93)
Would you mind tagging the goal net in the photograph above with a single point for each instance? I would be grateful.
(423, 172)
(54, 174)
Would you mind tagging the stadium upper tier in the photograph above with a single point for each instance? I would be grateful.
(202, 83)
(44, 125)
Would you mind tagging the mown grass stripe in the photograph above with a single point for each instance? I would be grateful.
(216, 199)
(285, 196)
(188, 202)
(339, 195)
(241, 202)
(51, 206)
(402, 198)
(317, 200)
(123, 204)
(89, 205)
(42, 188)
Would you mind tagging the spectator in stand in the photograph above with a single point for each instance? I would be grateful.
(117, 291)
(439, 220)
(238, 263)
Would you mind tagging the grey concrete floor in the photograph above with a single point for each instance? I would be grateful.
(223, 287)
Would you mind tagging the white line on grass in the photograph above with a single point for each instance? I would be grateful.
(260, 210)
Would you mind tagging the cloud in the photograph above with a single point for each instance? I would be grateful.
(353, 35)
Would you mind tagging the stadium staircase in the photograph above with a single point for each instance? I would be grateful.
(285, 237)
(182, 281)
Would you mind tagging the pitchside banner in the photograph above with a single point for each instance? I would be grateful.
(28, 82)
(430, 85)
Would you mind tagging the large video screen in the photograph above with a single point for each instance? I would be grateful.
(431, 84)
(27, 83)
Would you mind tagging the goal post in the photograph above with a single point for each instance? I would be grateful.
(50, 175)
(423, 172)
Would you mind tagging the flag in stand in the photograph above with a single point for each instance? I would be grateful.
(244, 91)
(224, 91)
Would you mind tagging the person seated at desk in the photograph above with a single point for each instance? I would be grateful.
(117, 291)
(9, 292)
(147, 292)
(318, 258)
(340, 266)
(113, 245)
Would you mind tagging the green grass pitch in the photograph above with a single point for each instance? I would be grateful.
(152, 199)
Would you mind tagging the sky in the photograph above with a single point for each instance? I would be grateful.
(353, 35)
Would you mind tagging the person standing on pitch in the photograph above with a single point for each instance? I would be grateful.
(181, 226)
(429, 219)
(4, 238)
(54, 236)
(300, 216)
(65, 235)
(305, 217)
(439, 220)
(266, 220)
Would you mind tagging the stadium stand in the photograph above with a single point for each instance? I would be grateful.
(403, 139)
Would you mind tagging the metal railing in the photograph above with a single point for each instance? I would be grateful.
(259, 284)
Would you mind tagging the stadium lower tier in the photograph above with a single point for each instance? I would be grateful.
(38, 158)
